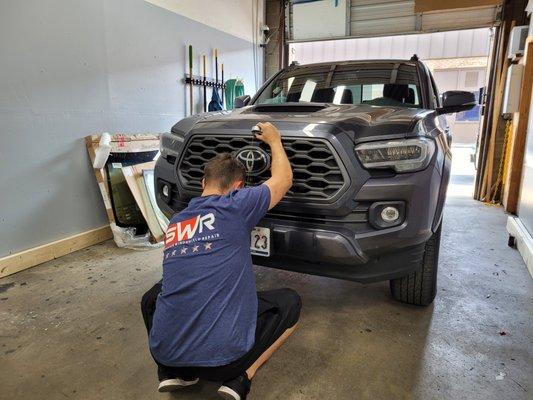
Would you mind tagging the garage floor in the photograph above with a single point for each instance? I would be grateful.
(71, 328)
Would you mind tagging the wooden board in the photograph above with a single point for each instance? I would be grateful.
(38, 255)
(439, 5)
(497, 124)
(101, 178)
(520, 122)
(133, 143)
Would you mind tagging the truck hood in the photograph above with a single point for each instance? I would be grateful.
(358, 121)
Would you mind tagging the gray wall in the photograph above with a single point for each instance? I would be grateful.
(77, 67)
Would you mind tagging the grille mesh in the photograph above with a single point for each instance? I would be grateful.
(317, 174)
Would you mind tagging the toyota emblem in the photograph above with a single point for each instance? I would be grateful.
(254, 159)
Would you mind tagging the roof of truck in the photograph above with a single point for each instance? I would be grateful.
(344, 62)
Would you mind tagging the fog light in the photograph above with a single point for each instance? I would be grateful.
(165, 190)
(390, 214)
(386, 214)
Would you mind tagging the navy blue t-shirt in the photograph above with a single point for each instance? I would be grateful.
(207, 310)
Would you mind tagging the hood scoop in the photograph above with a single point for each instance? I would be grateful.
(289, 108)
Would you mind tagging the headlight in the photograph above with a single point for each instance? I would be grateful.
(170, 143)
(401, 155)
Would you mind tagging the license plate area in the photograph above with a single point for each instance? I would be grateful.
(260, 242)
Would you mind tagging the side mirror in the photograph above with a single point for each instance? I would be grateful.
(241, 101)
(457, 100)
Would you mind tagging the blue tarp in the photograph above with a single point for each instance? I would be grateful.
(216, 103)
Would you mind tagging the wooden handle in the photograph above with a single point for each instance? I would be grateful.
(191, 105)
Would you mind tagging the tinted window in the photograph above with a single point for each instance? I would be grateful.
(380, 84)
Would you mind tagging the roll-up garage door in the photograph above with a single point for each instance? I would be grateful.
(367, 18)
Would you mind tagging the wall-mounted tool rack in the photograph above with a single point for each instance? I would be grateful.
(199, 81)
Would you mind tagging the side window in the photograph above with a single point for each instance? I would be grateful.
(391, 94)
(414, 90)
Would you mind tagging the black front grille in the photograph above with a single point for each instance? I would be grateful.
(317, 170)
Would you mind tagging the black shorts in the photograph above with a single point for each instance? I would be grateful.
(278, 310)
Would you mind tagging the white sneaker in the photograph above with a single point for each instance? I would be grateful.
(228, 393)
(235, 389)
(169, 385)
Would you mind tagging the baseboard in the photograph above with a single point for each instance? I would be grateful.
(523, 239)
(46, 252)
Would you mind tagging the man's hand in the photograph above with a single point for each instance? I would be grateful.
(269, 133)
(281, 180)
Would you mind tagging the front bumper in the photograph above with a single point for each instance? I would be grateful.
(346, 247)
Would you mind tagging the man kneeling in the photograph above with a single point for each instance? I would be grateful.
(205, 319)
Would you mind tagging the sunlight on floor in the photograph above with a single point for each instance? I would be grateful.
(463, 172)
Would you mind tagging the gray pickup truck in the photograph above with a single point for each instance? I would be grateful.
(370, 151)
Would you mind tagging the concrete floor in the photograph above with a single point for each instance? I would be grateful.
(71, 328)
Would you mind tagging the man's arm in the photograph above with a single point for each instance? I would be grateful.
(281, 179)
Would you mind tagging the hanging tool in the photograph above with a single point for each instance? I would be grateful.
(216, 70)
(215, 104)
(190, 76)
(205, 86)
(222, 77)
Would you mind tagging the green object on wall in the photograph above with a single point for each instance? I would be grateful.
(234, 88)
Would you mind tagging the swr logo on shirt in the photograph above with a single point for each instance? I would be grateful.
(185, 230)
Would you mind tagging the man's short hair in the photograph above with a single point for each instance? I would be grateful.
(223, 170)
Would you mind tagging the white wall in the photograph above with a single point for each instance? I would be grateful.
(525, 204)
(464, 132)
(454, 44)
(74, 68)
(236, 17)
(331, 16)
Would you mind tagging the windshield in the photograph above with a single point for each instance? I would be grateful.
(378, 84)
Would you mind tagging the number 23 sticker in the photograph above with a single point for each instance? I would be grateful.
(260, 242)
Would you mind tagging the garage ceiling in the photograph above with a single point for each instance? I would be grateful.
(365, 18)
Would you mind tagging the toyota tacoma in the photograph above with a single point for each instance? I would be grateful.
(370, 150)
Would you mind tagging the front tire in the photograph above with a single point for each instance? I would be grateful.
(420, 286)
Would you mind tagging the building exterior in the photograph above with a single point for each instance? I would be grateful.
(458, 60)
